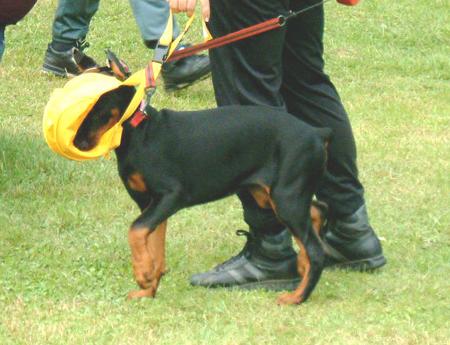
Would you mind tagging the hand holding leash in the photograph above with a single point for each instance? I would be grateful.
(188, 6)
(348, 2)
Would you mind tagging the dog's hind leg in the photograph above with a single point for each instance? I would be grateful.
(294, 212)
(310, 262)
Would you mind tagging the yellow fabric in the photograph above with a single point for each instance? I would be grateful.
(206, 34)
(68, 106)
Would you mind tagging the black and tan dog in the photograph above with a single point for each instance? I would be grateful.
(173, 160)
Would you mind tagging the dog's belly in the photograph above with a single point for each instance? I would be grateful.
(210, 185)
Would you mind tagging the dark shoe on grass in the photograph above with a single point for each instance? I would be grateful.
(182, 73)
(351, 243)
(66, 63)
(265, 262)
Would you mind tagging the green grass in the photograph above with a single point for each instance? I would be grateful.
(64, 259)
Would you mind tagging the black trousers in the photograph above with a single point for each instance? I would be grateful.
(285, 68)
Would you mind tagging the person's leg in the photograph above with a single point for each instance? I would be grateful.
(70, 27)
(72, 19)
(2, 40)
(311, 96)
(151, 17)
(249, 72)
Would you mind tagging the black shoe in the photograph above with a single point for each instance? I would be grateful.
(266, 262)
(352, 243)
(182, 73)
(67, 63)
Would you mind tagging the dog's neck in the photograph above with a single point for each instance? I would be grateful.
(137, 121)
(138, 117)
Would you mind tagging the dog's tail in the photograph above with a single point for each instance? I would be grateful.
(325, 133)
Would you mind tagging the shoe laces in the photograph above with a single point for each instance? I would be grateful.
(82, 44)
(246, 251)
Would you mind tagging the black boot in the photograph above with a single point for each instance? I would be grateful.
(67, 62)
(182, 73)
(351, 243)
(265, 262)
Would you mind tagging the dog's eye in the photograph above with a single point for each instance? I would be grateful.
(103, 118)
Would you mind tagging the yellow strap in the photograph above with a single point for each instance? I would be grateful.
(167, 35)
(206, 34)
(139, 79)
(167, 40)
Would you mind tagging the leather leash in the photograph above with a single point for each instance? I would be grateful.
(241, 34)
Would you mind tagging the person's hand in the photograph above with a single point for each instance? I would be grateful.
(348, 2)
(188, 6)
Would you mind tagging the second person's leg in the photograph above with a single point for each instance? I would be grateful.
(249, 72)
(151, 17)
(69, 30)
(311, 96)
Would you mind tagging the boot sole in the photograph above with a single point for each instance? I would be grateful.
(59, 72)
(270, 285)
(363, 265)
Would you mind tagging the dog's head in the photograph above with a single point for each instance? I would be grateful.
(110, 106)
(105, 114)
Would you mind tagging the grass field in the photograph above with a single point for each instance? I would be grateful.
(64, 259)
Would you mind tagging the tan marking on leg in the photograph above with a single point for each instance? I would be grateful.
(304, 268)
(262, 197)
(136, 182)
(140, 257)
(156, 246)
(261, 194)
(316, 219)
(148, 259)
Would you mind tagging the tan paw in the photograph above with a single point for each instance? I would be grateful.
(143, 277)
(141, 293)
(289, 299)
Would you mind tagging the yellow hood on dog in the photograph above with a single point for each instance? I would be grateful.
(68, 107)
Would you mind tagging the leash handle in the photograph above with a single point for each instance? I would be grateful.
(241, 34)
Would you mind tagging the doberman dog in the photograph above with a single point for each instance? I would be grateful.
(173, 160)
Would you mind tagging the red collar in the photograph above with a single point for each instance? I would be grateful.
(139, 116)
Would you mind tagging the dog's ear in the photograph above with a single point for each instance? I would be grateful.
(118, 67)
(84, 62)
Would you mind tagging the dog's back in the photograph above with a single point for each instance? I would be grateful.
(214, 152)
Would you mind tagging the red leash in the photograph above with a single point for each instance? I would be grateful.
(253, 30)
(229, 38)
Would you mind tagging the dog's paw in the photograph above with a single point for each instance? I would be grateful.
(141, 293)
(143, 276)
(289, 299)
(144, 280)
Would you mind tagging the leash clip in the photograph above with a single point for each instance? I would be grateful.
(146, 101)
(282, 19)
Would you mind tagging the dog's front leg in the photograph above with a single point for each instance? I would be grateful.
(156, 246)
(142, 261)
(148, 259)
(147, 244)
